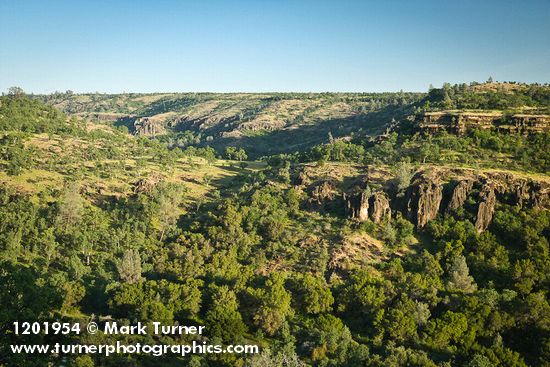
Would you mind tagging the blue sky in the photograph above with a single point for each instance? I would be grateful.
(283, 45)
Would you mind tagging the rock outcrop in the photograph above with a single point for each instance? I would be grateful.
(443, 190)
(357, 205)
(362, 206)
(147, 184)
(146, 126)
(540, 195)
(379, 207)
(458, 122)
(527, 123)
(459, 195)
(522, 192)
(323, 191)
(530, 193)
(486, 207)
(423, 200)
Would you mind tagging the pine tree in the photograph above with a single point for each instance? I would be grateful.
(223, 318)
(71, 207)
(459, 276)
(275, 305)
(129, 269)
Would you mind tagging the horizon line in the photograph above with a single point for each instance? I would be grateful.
(268, 91)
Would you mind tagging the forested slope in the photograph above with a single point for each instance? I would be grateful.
(406, 249)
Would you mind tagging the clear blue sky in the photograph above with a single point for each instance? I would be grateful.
(282, 45)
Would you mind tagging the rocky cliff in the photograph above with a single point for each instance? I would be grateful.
(424, 197)
(323, 191)
(357, 205)
(458, 122)
(364, 205)
(147, 126)
(461, 190)
(444, 191)
(379, 207)
(487, 200)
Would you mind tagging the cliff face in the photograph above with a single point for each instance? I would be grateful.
(486, 207)
(357, 205)
(446, 191)
(362, 206)
(423, 200)
(379, 207)
(531, 194)
(457, 122)
(459, 194)
(535, 123)
(148, 127)
(368, 193)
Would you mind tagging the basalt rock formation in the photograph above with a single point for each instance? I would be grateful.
(379, 207)
(362, 206)
(459, 194)
(148, 127)
(446, 191)
(531, 193)
(458, 122)
(323, 191)
(357, 205)
(540, 195)
(522, 191)
(423, 200)
(486, 207)
(371, 194)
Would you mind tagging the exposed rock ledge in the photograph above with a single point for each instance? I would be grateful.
(425, 197)
(458, 122)
(148, 126)
(460, 194)
(363, 206)
(423, 200)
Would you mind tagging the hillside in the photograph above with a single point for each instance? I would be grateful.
(394, 246)
(254, 121)
(273, 123)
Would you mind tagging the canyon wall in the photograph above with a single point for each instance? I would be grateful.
(458, 122)
(445, 191)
